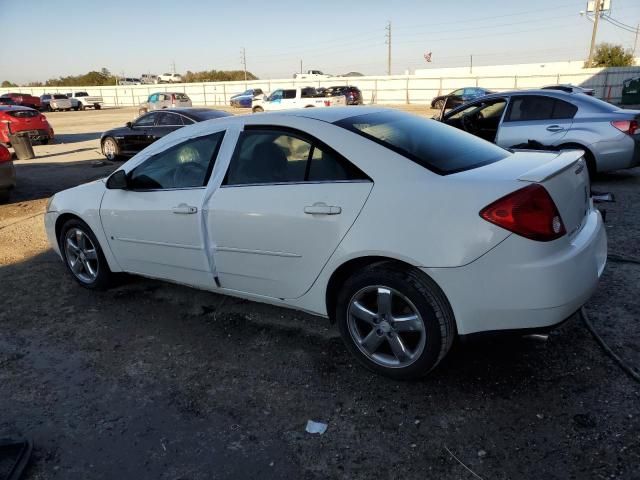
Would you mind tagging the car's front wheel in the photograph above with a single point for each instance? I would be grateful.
(110, 148)
(396, 321)
(258, 109)
(83, 256)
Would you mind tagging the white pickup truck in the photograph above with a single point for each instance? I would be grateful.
(288, 98)
(311, 75)
(82, 100)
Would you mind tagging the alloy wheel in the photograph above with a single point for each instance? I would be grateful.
(81, 255)
(386, 326)
(109, 148)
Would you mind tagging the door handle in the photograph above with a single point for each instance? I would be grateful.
(555, 128)
(321, 208)
(184, 209)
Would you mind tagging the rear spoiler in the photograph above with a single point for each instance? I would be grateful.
(565, 160)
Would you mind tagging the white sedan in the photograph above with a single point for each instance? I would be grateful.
(404, 231)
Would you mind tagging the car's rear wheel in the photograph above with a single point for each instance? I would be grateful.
(110, 148)
(396, 321)
(258, 109)
(97, 106)
(83, 256)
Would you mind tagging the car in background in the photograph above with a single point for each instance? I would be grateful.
(23, 99)
(169, 78)
(14, 119)
(161, 100)
(129, 81)
(7, 174)
(288, 98)
(555, 120)
(148, 78)
(459, 97)
(352, 94)
(566, 87)
(137, 135)
(405, 232)
(82, 100)
(311, 75)
(55, 101)
(245, 99)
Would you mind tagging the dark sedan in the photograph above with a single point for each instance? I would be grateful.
(459, 96)
(352, 94)
(135, 136)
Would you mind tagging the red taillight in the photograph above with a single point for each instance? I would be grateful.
(629, 127)
(327, 103)
(5, 154)
(529, 212)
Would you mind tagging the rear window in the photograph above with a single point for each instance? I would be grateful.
(23, 113)
(437, 147)
(82, 94)
(181, 97)
(59, 96)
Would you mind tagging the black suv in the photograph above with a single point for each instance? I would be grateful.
(353, 94)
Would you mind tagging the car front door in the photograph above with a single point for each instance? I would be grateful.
(285, 204)
(538, 118)
(154, 227)
(273, 102)
(141, 133)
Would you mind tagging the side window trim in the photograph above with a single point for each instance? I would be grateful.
(313, 141)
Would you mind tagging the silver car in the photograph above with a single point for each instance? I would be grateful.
(55, 101)
(550, 119)
(160, 100)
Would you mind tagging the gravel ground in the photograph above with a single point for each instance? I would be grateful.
(152, 380)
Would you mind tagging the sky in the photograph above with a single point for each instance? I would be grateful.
(131, 37)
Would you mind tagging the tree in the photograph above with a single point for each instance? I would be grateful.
(217, 76)
(7, 84)
(609, 55)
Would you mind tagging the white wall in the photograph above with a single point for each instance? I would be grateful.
(418, 89)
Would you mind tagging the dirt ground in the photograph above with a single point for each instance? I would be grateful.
(151, 380)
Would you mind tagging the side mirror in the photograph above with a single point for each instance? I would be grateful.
(129, 124)
(118, 181)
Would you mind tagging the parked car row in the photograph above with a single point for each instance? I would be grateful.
(53, 101)
(254, 97)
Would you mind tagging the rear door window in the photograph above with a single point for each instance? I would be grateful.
(169, 120)
(431, 144)
(538, 107)
(289, 94)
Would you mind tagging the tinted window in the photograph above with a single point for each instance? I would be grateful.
(564, 109)
(458, 92)
(82, 94)
(289, 94)
(274, 156)
(169, 119)
(438, 147)
(181, 97)
(146, 120)
(46, 97)
(187, 165)
(59, 97)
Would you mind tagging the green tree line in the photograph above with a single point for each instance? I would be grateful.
(105, 77)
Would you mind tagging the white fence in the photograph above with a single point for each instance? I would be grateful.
(381, 89)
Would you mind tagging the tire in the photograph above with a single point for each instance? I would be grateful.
(110, 149)
(375, 336)
(44, 141)
(439, 104)
(5, 195)
(97, 106)
(258, 110)
(49, 108)
(83, 256)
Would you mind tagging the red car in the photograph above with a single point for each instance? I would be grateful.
(15, 119)
(24, 99)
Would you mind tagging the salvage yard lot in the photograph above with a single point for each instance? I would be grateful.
(154, 380)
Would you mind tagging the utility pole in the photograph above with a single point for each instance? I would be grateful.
(243, 59)
(471, 64)
(301, 66)
(595, 30)
(388, 42)
(635, 43)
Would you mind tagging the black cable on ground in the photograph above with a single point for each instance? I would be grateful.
(628, 369)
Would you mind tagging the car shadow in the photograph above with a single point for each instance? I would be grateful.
(76, 137)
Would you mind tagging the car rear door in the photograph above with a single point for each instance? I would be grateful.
(285, 204)
(167, 122)
(538, 118)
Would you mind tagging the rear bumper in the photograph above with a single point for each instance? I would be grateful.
(522, 284)
(616, 154)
